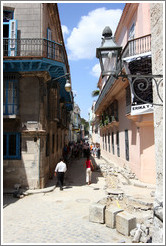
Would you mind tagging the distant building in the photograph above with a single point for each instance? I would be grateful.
(76, 124)
(95, 126)
(36, 109)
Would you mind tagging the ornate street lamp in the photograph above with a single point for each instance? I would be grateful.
(110, 57)
(68, 84)
(108, 53)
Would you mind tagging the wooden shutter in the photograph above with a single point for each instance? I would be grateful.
(12, 38)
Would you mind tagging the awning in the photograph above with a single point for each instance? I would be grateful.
(137, 57)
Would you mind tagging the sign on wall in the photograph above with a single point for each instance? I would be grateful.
(141, 109)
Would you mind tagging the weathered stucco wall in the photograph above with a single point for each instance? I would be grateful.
(157, 68)
(29, 19)
(141, 142)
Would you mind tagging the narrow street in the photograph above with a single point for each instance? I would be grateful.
(59, 216)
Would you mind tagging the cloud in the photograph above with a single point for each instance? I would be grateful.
(86, 37)
(96, 71)
(65, 30)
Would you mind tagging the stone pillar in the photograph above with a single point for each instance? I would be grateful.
(156, 13)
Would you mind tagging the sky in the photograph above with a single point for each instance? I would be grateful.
(82, 27)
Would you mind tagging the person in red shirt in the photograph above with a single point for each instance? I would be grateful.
(89, 168)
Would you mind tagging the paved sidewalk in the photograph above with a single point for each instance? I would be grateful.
(59, 216)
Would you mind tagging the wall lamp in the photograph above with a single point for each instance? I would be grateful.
(68, 84)
(110, 57)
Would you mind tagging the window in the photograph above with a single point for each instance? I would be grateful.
(50, 44)
(113, 143)
(53, 103)
(127, 145)
(105, 142)
(113, 111)
(117, 142)
(7, 15)
(53, 143)
(132, 44)
(132, 31)
(11, 145)
(47, 144)
(109, 142)
(10, 96)
(57, 142)
(128, 99)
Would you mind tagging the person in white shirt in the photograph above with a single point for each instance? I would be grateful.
(59, 172)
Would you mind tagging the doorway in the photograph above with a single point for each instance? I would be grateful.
(5, 39)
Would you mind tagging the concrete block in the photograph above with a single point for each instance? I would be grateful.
(110, 216)
(125, 222)
(97, 213)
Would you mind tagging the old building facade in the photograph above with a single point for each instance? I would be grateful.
(157, 28)
(95, 127)
(36, 107)
(127, 130)
(76, 127)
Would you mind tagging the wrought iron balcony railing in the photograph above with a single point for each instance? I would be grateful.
(133, 47)
(137, 46)
(29, 47)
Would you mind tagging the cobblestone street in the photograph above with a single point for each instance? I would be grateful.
(59, 216)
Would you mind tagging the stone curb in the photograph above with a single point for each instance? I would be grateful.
(37, 191)
(30, 192)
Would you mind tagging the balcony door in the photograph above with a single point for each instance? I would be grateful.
(131, 37)
(49, 43)
(9, 33)
(10, 38)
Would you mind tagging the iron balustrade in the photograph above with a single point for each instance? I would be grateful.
(137, 46)
(33, 48)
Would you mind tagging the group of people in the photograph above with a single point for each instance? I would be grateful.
(95, 150)
(76, 150)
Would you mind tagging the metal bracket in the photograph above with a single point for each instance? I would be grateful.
(142, 82)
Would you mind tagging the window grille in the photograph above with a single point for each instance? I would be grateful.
(10, 95)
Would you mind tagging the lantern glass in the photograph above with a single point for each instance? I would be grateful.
(108, 54)
(68, 86)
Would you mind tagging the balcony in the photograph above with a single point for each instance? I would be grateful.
(33, 48)
(28, 55)
(137, 46)
(37, 55)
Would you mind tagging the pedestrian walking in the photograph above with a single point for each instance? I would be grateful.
(89, 168)
(60, 172)
(94, 151)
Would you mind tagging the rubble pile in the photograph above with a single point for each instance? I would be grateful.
(115, 179)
